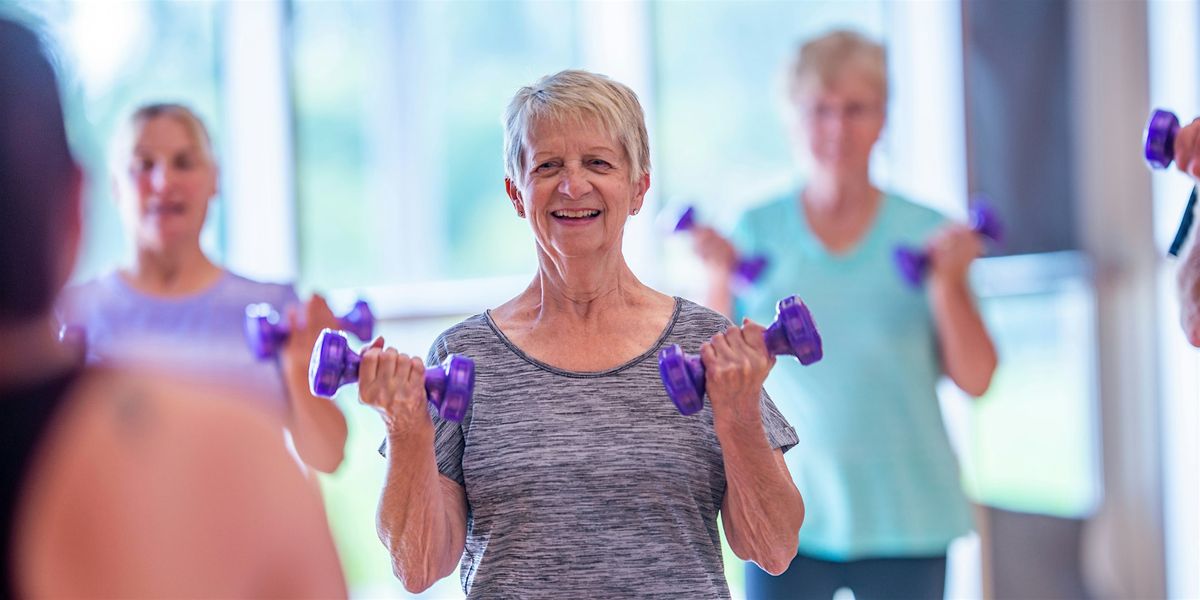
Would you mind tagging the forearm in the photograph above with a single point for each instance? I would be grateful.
(763, 510)
(968, 354)
(1189, 293)
(317, 425)
(419, 524)
(718, 295)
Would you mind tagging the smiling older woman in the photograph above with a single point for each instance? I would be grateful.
(572, 475)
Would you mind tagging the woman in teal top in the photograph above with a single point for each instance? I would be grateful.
(879, 477)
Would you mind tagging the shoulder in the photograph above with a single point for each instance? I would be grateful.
(258, 291)
(183, 455)
(176, 416)
(77, 302)
(769, 209)
(470, 333)
(909, 214)
(696, 321)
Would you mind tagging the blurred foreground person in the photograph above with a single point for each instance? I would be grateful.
(115, 483)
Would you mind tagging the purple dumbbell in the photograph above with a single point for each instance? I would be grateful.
(793, 333)
(448, 387)
(913, 263)
(265, 333)
(1160, 138)
(748, 269)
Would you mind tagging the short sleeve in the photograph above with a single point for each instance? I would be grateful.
(288, 296)
(743, 239)
(448, 441)
(780, 433)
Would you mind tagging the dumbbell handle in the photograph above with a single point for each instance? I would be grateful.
(265, 331)
(792, 333)
(913, 263)
(448, 386)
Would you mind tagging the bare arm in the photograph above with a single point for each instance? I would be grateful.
(1189, 293)
(318, 427)
(720, 260)
(968, 354)
(422, 518)
(762, 510)
(137, 493)
(1187, 160)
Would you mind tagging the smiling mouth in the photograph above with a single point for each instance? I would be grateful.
(575, 214)
(166, 209)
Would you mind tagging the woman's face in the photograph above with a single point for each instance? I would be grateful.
(578, 188)
(166, 186)
(840, 123)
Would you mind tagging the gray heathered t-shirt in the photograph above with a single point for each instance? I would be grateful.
(587, 485)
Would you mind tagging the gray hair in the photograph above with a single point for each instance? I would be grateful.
(578, 95)
(822, 60)
(127, 134)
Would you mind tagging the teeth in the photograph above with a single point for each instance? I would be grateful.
(575, 214)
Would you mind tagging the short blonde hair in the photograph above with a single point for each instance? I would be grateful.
(127, 134)
(824, 59)
(581, 96)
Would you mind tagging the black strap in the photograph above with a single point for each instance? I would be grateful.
(1185, 225)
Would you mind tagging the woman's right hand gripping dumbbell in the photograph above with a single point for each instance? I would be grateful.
(393, 383)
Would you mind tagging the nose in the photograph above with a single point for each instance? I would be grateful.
(574, 183)
(161, 178)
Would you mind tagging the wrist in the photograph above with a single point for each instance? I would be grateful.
(940, 281)
(414, 435)
(738, 424)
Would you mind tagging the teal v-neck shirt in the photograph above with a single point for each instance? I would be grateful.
(873, 462)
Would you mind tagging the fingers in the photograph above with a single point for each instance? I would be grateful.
(721, 346)
(416, 373)
(368, 369)
(291, 316)
(316, 308)
(402, 369)
(1186, 150)
(712, 247)
(752, 336)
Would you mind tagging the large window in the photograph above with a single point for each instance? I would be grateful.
(112, 57)
(398, 109)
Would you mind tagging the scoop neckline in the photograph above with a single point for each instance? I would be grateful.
(869, 240)
(118, 281)
(651, 351)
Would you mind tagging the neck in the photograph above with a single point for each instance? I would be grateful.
(32, 351)
(835, 193)
(171, 272)
(583, 288)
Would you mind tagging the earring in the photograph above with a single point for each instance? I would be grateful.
(635, 211)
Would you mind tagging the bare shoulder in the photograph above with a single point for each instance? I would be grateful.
(145, 468)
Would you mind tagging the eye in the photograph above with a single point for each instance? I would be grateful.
(599, 163)
(546, 167)
(185, 162)
(856, 110)
(142, 165)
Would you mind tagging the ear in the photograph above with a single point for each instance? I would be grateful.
(514, 195)
(642, 185)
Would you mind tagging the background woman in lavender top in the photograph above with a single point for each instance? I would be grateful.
(174, 296)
